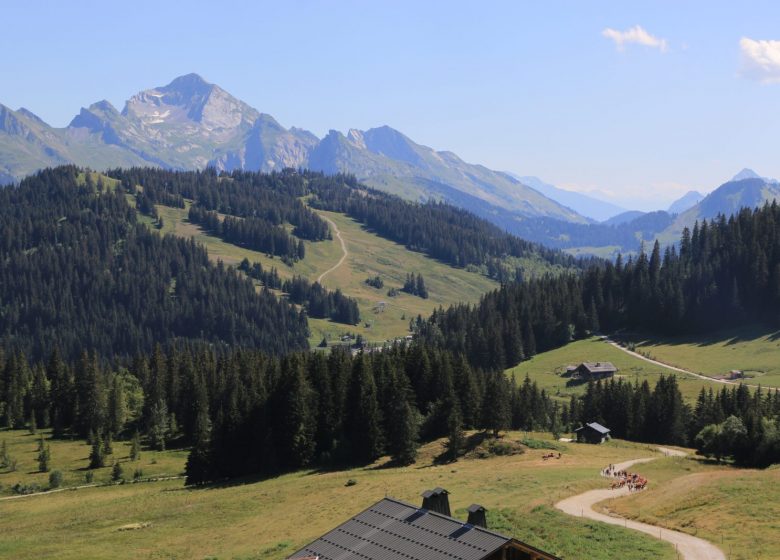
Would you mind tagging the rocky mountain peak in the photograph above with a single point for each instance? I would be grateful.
(746, 174)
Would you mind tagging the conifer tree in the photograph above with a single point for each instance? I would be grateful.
(44, 456)
(96, 458)
(135, 447)
(456, 437)
(364, 425)
(496, 414)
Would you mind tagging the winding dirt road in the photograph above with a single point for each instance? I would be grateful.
(667, 366)
(343, 249)
(689, 547)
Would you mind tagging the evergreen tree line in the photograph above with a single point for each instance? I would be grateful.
(321, 303)
(246, 412)
(726, 273)
(273, 197)
(251, 233)
(734, 422)
(415, 285)
(77, 269)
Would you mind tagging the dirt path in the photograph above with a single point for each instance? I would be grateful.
(343, 249)
(667, 366)
(688, 546)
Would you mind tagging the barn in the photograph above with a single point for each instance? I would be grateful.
(595, 370)
(592, 433)
(395, 530)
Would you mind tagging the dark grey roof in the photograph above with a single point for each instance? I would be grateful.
(594, 426)
(394, 530)
(599, 367)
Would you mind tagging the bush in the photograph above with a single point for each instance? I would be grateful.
(55, 479)
(24, 489)
(351, 482)
(138, 474)
(117, 473)
(541, 444)
(89, 477)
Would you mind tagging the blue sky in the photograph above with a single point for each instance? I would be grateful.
(572, 92)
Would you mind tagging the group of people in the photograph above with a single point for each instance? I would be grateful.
(624, 478)
(551, 456)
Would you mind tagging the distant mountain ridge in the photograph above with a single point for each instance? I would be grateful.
(192, 124)
(589, 206)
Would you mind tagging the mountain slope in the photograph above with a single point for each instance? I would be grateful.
(192, 124)
(588, 206)
(727, 199)
(689, 199)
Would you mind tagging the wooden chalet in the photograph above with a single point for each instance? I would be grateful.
(395, 530)
(592, 433)
(594, 370)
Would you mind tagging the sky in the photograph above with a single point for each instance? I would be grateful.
(638, 101)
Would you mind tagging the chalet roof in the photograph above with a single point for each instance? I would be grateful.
(594, 426)
(599, 367)
(394, 530)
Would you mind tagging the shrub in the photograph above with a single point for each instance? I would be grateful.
(24, 489)
(117, 473)
(89, 477)
(55, 479)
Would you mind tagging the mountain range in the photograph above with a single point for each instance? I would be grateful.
(192, 124)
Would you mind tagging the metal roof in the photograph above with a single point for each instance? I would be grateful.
(394, 530)
(596, 426)
(599, 367)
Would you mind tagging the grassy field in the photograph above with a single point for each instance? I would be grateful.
(753, 350)
(269, 519)
(546, 368)
(738, 510)
(369, 255)
(72, 458)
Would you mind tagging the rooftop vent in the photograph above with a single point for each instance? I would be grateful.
(477, 516)
(437, 500)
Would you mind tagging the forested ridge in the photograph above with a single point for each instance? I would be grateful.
(110, 329)
(77, 271)
(725, 273)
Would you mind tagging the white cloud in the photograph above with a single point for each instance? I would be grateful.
(760, 60)
(636, 35)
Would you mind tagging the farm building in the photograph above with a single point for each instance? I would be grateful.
(592, 433)
(594, 370)
(394, 530)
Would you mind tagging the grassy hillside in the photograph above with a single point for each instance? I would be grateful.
(369, 255)
(753, 350)
(547, 368)
(736, 509)
(71, 458)
(269, 519)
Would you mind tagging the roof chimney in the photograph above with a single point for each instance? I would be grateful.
(477, 516)
(437, 500)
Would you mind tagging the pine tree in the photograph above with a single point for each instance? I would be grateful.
(117, 472)
(496, 414)
(135, 447)
(402, 441)
(456, 437)
(295, 436)
(364, 425)
(44, 456)
(96, 457)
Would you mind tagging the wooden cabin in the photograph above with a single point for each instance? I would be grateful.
(592, 433)
(395, 530)
(594, 370)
